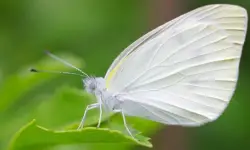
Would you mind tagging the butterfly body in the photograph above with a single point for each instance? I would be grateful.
(96, 86)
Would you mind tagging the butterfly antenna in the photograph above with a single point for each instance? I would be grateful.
(65, 63)
(57, 72)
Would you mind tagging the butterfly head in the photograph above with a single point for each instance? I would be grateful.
(94, 85)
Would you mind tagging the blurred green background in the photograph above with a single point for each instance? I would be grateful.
(90, 34)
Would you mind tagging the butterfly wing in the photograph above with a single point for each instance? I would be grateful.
(185, 71)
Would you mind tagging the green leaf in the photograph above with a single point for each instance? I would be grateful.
(36, 137)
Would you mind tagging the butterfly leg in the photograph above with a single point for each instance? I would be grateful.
(89, 107)
(125, 124)
(100, 116)
(124, 121)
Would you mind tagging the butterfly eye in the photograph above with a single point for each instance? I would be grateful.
(92, 86)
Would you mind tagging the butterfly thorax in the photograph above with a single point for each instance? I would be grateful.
(96, 86)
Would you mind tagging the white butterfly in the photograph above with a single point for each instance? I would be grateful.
(182, 73)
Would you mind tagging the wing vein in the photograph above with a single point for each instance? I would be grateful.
(135, 79)
(205, 87)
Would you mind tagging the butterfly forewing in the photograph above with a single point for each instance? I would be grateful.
(185, 71)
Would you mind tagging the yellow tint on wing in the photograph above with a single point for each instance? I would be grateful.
(113, 72)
